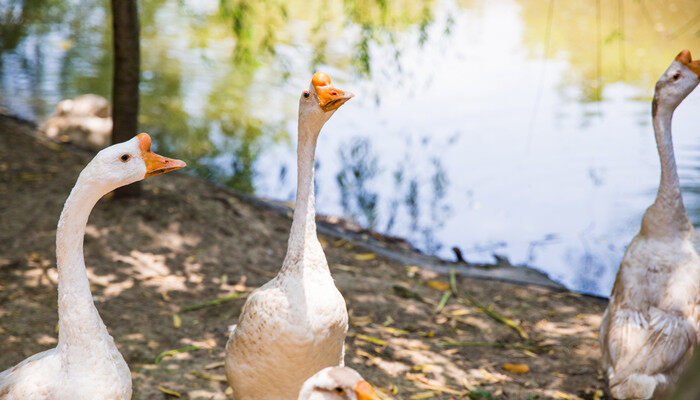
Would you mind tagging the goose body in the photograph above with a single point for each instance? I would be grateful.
(295, 323)
(650, 328)
(86, 364)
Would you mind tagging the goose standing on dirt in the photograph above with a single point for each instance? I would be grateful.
(85, 364)
(295, 324)
(650, 328)
(337, 383)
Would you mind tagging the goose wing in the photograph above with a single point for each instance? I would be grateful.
(28, 376)
(649, 344)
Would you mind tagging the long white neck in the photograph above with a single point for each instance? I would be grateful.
(667, 214)
(78, 320)
(304, 247)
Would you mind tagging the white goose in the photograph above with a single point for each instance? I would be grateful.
(297, 321)
(650, 327)
(337, 383)
(85, 365)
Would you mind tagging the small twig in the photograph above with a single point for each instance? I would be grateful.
(173, 352)
(490, 344)
(491, 313)
(214, 302)
(443, 301)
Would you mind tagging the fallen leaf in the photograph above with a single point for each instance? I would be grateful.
(213, 365)
(371, 339)
(361, 320)
(29, 177)
(347, 268)
(562, 395)
(209, 377)
(415, 377)
(170, 392)
(438, 285)
(383, 393)
(365, 256)
(460, 312)
(444, 389)
(411, 270)
(516, 368)
(175, 351)
(177, 321)
(422, 395)
(394, 331)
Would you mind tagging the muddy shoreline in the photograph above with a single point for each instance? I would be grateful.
(187, 242)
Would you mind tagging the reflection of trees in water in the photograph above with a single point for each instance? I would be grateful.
(359, 167)
(244, 72)
(630, 41)
(591, 268)
(24, 25)
(420, 198)
(691, 187)
(19, 18)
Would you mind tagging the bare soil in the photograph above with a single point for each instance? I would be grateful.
(187, 241)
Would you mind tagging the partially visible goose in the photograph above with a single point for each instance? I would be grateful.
(295, 324)
(85, 365)
(337, 383)
(650, 328)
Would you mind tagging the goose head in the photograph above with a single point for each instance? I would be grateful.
(337, 383)
(679, 80)
(319, 102)
(127, 162)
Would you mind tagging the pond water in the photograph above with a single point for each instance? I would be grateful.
(512, 127)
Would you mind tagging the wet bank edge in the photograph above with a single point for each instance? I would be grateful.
(395, 249)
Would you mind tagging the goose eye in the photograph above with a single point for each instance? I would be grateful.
(306, 95)
(339, 390)
(676, 77)
(125, 157)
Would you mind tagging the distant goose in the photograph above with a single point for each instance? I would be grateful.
(295, 324)
(85, 365)
(337, 383)
(650, 328)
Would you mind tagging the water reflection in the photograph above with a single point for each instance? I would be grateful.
(512, 127)
(357, 197)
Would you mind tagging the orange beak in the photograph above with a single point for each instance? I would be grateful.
(364, 391)
(686, 59)
(329, 97)
(156, 164)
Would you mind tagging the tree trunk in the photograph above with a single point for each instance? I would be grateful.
(125, 83)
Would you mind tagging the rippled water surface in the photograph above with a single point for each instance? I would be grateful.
(518, 128)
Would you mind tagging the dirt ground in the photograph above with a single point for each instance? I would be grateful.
(186, 241)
